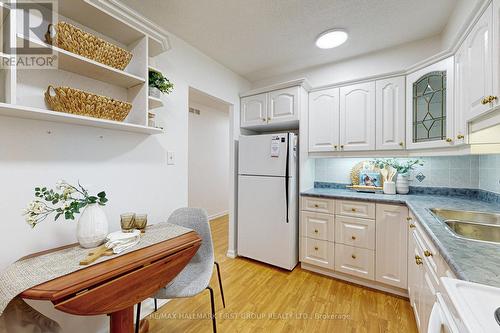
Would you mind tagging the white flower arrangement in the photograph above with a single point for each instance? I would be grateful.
(67, 201)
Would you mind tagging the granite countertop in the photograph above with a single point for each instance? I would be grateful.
(470, 260)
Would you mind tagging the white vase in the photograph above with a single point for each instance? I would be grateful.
(92, 227)
(402, 186)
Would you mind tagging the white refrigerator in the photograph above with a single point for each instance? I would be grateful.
(268, 199)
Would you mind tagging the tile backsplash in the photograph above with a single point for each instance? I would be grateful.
(473, 171)
(489, 173)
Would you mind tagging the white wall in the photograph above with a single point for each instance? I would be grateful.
(208, 162)
(376, 63)
(130, 167)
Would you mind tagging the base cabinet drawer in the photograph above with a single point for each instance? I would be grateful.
(355, 261)
(361, 209)
(317, 252)
(318, 205)
(317, 226)
(355, 232)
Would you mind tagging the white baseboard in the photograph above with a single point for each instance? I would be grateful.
(231, 254)
(217, 215)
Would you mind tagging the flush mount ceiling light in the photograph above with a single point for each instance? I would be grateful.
(331, 38)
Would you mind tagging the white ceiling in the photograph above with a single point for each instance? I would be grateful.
(262, 38)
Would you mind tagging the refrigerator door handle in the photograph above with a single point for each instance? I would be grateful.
(287, 174)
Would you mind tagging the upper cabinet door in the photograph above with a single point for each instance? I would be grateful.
(357, 117)
(283, 105)
(390, 113)
(479, 66)
(254, 110)
(429, 106)
(324, 120)
(461, 86)
(495, 45)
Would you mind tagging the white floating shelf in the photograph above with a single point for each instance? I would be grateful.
(153, 68)
(27, 112)
(154, 102)
(77, 64)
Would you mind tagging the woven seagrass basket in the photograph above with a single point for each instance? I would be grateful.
(75, 40)
(79, 102)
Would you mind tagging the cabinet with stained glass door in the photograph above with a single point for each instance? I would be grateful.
(429, 106)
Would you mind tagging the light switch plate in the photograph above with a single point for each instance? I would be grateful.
(170, 158)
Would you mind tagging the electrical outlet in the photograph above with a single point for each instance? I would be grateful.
(170, 158)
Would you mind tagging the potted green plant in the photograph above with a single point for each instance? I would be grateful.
(67, 200)
(159, 84)
(403, 169)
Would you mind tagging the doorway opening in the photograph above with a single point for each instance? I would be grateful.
(209, 154)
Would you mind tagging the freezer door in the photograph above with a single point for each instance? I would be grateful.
(263, 232)
(256, 156)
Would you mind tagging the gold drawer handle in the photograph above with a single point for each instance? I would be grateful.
(412, 226)
(460, 137)
(409, 218)
(488, 99)
(427, 253)
(341, 146)
(316, 205)
(449, 140)
(353, 237)
(316, 248)
(402, 144)
(418, 261)
(263, 119)
(353, 209)
(268, 118)
(335, 147)
(353, 256)
(315, 231)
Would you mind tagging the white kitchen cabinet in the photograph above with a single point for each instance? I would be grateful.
(254, 110)
(391, 245)
(496, 51)
(390, 113)
(355, 261)
(461, 127)
(415, 277)
(429, 106)
(274, 110)
(478, 78)
(283, 105)
(324, 120)
(357, 117)
(317, 252)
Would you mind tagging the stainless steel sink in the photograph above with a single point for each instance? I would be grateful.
(472, 225)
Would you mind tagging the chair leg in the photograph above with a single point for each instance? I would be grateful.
(138, 318)
(156, 304)
(220, 284)
(212, 303)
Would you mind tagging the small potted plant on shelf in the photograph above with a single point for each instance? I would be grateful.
(159, 84)
(67, 200)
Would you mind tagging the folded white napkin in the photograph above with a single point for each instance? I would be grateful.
(120, 241)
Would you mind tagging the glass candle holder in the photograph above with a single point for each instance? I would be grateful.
(141, 221)
(127, 221)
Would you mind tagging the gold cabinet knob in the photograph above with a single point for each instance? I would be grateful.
(335, 147)
(341, 146)
(315, 248)
(353, 237)
(263, 119)
(449, 140)
(316, 205)
(489, 99)
(418, 261)
(484, 101)
(460, 136)
(402, 144)
(353, 209)
(315, 231)
(427, 253)
(353, 256)
(412, 226)
(409, 218)
(268, 118)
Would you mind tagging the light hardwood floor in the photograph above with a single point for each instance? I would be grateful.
(261, 298)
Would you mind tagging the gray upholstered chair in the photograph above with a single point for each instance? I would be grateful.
(195, 277)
